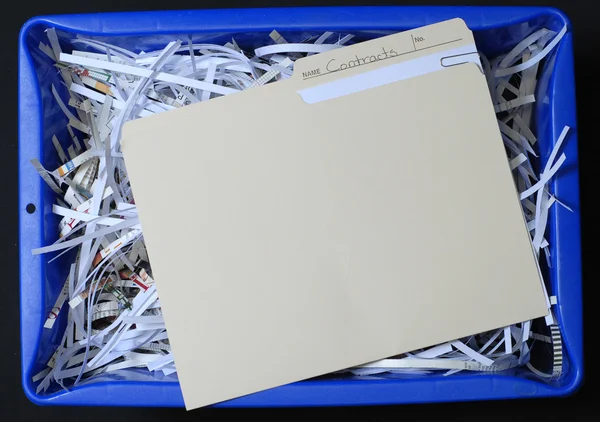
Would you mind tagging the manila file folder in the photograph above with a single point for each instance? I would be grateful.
(360, 209)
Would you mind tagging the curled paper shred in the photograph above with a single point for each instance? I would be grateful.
(114, 316)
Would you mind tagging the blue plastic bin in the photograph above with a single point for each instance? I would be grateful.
(496, 30)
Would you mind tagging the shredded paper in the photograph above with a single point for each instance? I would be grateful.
(114, 316)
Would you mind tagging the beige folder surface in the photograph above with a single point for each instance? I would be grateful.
(330, 220)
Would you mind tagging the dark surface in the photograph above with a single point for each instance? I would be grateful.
(15, 406)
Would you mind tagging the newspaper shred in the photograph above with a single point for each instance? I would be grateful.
(114, 317)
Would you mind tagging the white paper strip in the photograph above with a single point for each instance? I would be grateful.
(146, 73)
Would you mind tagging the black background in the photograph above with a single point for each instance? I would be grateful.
(15, 406)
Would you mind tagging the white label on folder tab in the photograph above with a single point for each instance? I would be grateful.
(390, 74)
